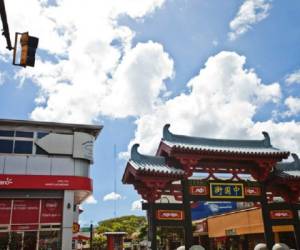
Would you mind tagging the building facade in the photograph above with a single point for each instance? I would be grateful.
(44, 177)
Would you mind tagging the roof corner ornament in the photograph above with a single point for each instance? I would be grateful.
(296, 160)
(135, 155)
(167, 135)
(267, 140)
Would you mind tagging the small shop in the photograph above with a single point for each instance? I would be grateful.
(239, 230)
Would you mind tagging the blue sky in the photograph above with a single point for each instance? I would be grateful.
(227, 69)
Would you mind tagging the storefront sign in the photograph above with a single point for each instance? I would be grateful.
(281, 214)
(51, 211)
(226, 190)
(5, 209)
(25, 211)
(30, 211)
(45, 182)
(198, 190)
(169, 215)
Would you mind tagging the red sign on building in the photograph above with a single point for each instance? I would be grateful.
(45, 182)
(281, 214)
(252, 191)
(5, 210)
(170, 215)
(198, 190)
(25, 211)
(51, 211)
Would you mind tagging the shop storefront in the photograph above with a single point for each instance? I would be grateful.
(30, 223)
(44, 177)
(239, 230)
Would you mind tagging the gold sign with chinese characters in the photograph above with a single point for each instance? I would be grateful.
(222, 190)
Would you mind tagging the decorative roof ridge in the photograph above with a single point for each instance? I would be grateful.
(289, 166)
(138, 157)
(169, 136)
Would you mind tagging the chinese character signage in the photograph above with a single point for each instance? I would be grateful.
(169, 215)
(226, 190)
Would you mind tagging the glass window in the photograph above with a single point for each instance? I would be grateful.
(50, 240)
(6, 133)
(6, 146)
(24, 134)
(4, 239)
(23, 147)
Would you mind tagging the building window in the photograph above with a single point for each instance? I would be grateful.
(6, 133)
(24, 134)
(21, 142)
(6, 146)
(23, 147)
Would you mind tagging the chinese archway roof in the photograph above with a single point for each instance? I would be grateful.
(247, 147)
(288, 170)
(140, 164)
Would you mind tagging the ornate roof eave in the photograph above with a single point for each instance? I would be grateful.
(132, 171)
(289, 166)
(285, 171)
(227, 146)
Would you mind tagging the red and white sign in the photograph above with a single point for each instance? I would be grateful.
(281, 214)
(51, 211)
(45, 182)
(30, 211)
(169, 215)
(198, 190)
(5, 210)
(24, 227)
(25, 211)
(252, 191)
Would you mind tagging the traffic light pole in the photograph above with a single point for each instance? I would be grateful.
(5, 25)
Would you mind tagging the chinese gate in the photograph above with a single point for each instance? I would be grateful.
(179, 157)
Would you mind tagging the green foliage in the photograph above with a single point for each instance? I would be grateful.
(129, 224)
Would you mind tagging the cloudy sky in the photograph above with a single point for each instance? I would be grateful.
(210, 68)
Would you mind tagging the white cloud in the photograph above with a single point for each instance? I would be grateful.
(293, 78)
(293, 104)
(136, 205)
(250, 13)
(92, 69)
(221, 102)
(112, 197)
(284, 135)
(138, 81)
(91, 200)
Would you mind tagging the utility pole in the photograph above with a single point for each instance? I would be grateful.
(5, 30)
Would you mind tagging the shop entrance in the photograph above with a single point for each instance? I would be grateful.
(23, 240)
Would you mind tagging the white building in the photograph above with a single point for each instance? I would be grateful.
(44, 176)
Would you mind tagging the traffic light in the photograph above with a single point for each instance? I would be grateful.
(28, 49)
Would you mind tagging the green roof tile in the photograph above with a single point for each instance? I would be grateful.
(220, 145)
(154, 164)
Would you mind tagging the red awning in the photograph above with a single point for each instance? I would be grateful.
(80, 237)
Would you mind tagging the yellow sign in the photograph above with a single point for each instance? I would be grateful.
(225, 190)
(75, 227)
